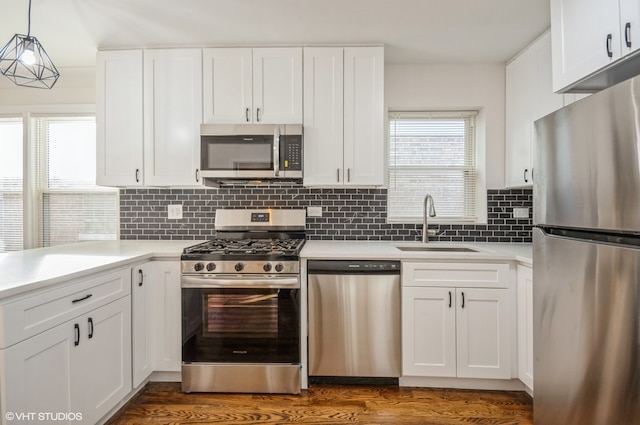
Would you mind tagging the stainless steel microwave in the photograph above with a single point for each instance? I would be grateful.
(251, 151)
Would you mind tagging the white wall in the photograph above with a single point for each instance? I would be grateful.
(75, 86)
(456, 87)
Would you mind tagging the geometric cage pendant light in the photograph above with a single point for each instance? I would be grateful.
(24, 61)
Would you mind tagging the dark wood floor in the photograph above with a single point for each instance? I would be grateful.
(164, 403)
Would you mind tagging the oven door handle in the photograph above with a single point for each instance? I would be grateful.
(195, 282)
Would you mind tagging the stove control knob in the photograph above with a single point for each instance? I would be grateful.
(211, 267)
(279, 267)
(198, 266)
(267, 267)
(239, 267)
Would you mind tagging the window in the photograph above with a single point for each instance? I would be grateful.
(432, 153)
(11, 204)
(64, 203)
(73, 207)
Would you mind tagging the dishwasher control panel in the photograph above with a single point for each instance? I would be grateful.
(353, 266)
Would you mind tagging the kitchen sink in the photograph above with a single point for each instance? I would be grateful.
(436, 248)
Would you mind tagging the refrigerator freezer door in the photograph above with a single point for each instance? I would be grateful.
(587, 169)
(586, 332)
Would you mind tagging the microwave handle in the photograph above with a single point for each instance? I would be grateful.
(276, 152)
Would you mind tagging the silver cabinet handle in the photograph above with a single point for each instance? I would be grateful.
(627, 34)
(609, 51)
(246, 114)
(348, 174)
(197, 175)
(526, 179)
(258, 114)
(141, 277)
(137, 175)
(338, 174)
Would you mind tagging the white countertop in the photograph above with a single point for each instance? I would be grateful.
(357, 250)
(31, 269)
(23, 271)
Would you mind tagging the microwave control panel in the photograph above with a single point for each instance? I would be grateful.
(291, 155)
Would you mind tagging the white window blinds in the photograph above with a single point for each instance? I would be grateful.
(11, 184)
(432, 153)
(73, 207)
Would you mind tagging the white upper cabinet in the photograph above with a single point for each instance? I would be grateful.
(529, 96)
(323, 115)
(119, 121)
(148, 116)
(589, 35)
(172, 116)
(244, 85)
(344, 116)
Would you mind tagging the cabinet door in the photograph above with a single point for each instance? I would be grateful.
(119, 125)
(36, 374)
(525, 325)
(522, 82)
(227, 85)
(580, 29)
(546, 101)
(173, 96)
(277, 85)
(142, 280)
(483, 342)
(323, 115)
(428, 331)
(101, 373)
(363, 116)
(167, 320)
(629, 26)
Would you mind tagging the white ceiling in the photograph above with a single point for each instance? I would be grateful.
(413, 31)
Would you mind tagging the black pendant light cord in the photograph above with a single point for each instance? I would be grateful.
(29, 21)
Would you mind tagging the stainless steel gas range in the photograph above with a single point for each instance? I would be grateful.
(241, 304)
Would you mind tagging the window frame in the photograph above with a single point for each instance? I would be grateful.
(480, 166)
(32, 205)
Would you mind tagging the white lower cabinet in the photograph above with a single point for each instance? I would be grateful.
(81, 368)
(142, 278)
(156, 327)
(166, 326)
(525, 325)
(456, 320)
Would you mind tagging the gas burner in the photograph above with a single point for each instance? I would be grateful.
(221, 247)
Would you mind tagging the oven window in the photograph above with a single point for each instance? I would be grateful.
(235, 154)
(244, 325)
(241, 315)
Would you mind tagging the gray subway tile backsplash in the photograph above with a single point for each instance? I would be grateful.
(348, 214)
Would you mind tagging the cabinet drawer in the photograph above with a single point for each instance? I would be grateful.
(468, 275)
(43, 310)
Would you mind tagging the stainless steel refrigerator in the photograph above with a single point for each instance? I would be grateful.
(586, 261)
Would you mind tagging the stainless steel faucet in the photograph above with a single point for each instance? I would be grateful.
(432, 213)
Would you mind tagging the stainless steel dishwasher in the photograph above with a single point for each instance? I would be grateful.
(354, 318)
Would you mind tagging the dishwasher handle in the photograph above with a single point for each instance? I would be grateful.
(353, 267)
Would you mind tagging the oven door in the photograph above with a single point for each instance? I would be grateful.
(241, 320)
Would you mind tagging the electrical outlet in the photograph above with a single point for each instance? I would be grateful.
(314, 211)
(174, 212)
(521, 212)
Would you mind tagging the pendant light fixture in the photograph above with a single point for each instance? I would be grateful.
(24, 61)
